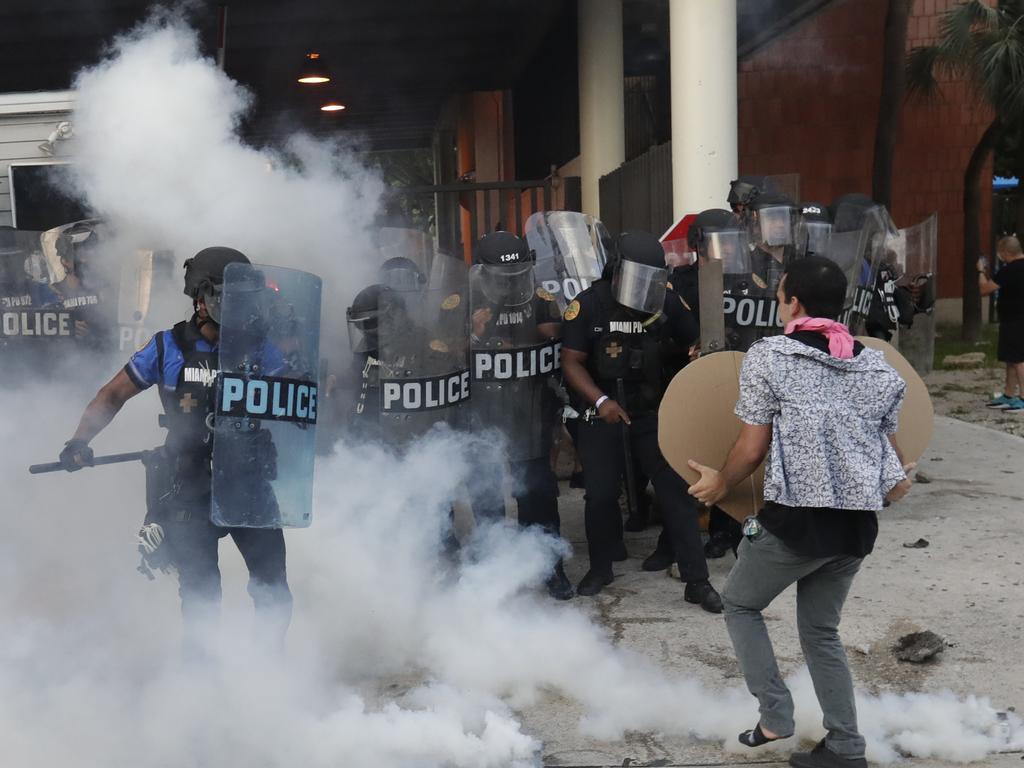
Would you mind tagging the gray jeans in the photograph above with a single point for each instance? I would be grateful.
(764, 569)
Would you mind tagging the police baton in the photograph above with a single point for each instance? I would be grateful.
(627, 449)
(114, 458)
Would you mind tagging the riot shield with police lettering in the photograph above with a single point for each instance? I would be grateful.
(862, 234)
(917, 258)
(747, 280)
(34, 324)
(266, 409)
(424, 355)
(571, 250)
(512, 362)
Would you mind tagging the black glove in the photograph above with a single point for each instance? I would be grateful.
(76, 454)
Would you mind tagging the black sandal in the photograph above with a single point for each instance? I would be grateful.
(756, 737)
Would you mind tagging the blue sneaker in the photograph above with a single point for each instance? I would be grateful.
(1016, 405)
(1001, 402)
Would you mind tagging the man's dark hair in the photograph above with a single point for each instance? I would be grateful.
(818, 283)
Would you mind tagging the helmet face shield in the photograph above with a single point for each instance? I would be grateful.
(640, 287)
(213, 298)
(511, 285)
(773, 225)
(815, 237)
(729, 246)
(362, 330)
(402, 278)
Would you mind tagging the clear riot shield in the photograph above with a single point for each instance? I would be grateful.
(147, 297)
(571, 250)
(917, 259)
(862, 236)
(512, 364)
(749, 279)
(33, 318)
(265, 422)
(424, 355)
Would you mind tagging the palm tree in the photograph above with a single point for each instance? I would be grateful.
(985, 45)
(894, 57)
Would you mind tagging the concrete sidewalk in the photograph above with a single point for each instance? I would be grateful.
(966, 586)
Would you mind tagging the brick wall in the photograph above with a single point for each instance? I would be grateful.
(808, 103)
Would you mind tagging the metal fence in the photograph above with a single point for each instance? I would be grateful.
(638, 194)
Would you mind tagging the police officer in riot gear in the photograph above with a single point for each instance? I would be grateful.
(182, 362)
(612, 340)
(510, 316)
(401, 274)
(363, 320)
(744, 191)
(814, 234)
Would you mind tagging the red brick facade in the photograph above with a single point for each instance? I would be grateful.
(808, 103)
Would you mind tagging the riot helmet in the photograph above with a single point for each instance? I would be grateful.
(744, 191)
(772, 220)
(507, 268)
(401, 274)
(641, 276)
(204, 276)
(711, 219)
(814, 229)
(363, 319)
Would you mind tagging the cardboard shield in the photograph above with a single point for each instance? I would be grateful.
(571, 250)
(265, 421)
(512, 366)
(424, 357)
(696, 421)
(917, 259)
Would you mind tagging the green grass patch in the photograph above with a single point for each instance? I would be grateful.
(948, 342)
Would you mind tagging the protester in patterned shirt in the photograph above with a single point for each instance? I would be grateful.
(832, 462)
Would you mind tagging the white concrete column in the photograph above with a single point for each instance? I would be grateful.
(602, 100)
(704, 103)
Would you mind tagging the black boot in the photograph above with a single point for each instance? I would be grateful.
(593, 582)
(621, 555)
(558, 584)
(703, 594)
(717, 546)
(823, 757)
(658, 561)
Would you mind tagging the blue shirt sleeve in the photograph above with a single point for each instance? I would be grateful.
(144, 366)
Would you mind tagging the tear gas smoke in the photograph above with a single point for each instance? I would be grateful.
(394, 659)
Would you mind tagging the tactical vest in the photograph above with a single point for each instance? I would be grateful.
(188, 406)
(631, 349)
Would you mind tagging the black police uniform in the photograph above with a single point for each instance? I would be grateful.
(535, 487)
(596, 324)
(183, 365)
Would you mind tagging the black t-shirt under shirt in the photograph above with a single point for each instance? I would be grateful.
(1011, 291)
(821, 531)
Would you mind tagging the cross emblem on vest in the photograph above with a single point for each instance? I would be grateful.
(613, 350)
(187, 403)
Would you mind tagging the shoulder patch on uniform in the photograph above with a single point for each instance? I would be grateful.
(451, 302)
(572, 310)
(546, 295)
(438, 346)
(757, 280)
(145, 344)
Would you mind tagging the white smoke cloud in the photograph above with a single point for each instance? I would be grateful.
(394, 658)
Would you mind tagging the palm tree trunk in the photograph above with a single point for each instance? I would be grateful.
(973, 247)
(894, 80)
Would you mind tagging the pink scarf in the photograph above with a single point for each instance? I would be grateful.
(840, 342)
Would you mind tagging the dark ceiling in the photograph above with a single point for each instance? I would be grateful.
(394, 61)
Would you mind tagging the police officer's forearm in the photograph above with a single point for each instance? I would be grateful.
(102, 409)
(580, 381)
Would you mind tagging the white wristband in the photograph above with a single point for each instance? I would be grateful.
(601, 399)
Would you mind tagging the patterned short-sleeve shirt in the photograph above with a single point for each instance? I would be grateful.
(831, 421)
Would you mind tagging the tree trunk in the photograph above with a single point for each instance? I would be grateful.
(973, 247)
(894, 80)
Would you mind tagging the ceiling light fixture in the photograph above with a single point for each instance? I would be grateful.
(313, 71)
